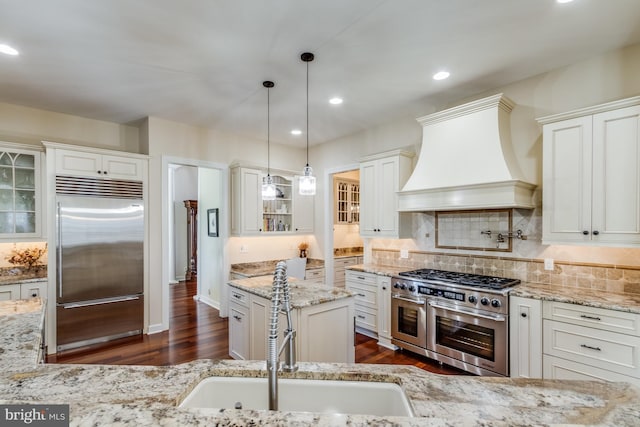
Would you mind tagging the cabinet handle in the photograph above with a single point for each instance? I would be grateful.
(590, 348)
(596, 232)
(361, 295)
(360, 277)
(585, 232)
(237, 296)
(584, 316)
(523, 314)
(360, 316)
(238, 318)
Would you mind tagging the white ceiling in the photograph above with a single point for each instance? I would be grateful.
(202, 62)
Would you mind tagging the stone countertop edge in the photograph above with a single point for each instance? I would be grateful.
(627, 301)
(303, 294)
(149, 395)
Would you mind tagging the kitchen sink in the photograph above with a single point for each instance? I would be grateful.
(301, 395)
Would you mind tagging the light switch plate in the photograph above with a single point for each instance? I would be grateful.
(548, 263)
(404, 253)
(244, 249)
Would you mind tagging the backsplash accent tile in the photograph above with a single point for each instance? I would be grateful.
(602, 277)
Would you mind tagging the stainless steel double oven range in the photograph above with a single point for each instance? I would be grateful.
(456, 318)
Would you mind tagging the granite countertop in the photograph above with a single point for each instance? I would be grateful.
(302, 293)
(9, 276)
(265, 268)
(381, 270)
(348, 252)
(148, 395)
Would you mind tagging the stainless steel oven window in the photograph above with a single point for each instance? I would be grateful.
(466, 337)
(408, 321)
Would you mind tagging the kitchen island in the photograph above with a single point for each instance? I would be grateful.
(146, 395)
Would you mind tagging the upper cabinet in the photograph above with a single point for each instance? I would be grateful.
(591, 175)
(20, 192)
(347, 201)
(89, 164)
(381, 177)
(288, 213)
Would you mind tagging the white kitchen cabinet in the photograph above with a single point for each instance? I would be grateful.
(238, 324)
(346, 201)
(581, 342)
(10, 292)
(339, 265)
(303, 210)
(384, 312)
(365, 288)
(315, 276)
(591, 175)
(525, 337)
(33, 289)
(289, 213)
(97, 165)
(20, 192)
(381, 177)
(324, 332)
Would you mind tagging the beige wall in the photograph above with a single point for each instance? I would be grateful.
(600, 79)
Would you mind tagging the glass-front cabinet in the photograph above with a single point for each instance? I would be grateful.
(347, 202)
(19, 192)
(277, 214)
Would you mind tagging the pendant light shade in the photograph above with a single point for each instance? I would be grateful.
(268, 187)
(307, 182)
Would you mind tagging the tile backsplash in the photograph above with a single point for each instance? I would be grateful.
(571, 274)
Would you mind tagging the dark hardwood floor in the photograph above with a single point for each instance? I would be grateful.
(196, 331)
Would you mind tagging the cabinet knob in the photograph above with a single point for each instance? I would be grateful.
(34, 294)
(104, 172)
(384, 288)
(99, 172)
(523, 314)
(585, 232)
(596, 232)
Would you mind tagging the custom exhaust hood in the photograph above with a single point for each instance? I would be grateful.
(467, 161)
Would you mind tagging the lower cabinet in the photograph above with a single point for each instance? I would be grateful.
(339, 265)
(26, 290)
(324, 332)
(525, 337)
(556, 340)
(384, 312)
(365, 288)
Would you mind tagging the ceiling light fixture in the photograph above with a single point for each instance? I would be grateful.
(441, 75)
(564, 1)
(296, 132)
(8, 50)
(307, 182)
(335, 101)
(268, 187)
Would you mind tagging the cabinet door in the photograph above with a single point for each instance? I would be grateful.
(387, 206)
(616, 176)
(567, 157)
(119, 167)
(9, 292)
(33, 290)
(326, 332)
(69, 162)
(368, 200)
(246, 201)
(384, 310)
(525, 337)
(258, 327)
(238, 332)
(303, 208)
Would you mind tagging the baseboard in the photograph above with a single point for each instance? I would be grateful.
(154, 329)
(208, 301)
(386, 343)
(366, 332)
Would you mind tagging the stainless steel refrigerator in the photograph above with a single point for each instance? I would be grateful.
(100, 244)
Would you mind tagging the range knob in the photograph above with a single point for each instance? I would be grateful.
(411, 288)
(495, 303)
(473, 299)
(397, 285)
(484, 301)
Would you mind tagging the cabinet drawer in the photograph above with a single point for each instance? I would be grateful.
(606, 350)
(317, 273)
(33, 290)
(362, 278)
(344, 262)
(610, 320)
(238, 296)
(363, 294)
(9, 292)
(556, 368)
(366, 319)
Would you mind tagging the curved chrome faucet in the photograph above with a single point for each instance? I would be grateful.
(279, 300)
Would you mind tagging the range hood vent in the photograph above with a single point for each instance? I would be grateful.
(467, 161)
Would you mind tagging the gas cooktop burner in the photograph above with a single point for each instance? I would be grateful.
(468, 279)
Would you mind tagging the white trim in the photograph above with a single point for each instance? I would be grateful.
(156, 328)
(206, 300)
(600, 108)
(328, 217)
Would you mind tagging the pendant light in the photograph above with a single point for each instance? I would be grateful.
(307, 182)
(268, 187)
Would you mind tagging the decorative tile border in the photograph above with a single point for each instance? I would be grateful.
(604, 277)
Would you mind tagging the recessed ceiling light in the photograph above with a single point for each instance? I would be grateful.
(335, 101)
(441, 75)
(8, 50)
(296, 132)
(564, 1)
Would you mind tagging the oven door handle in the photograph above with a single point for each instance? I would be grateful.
(415, 301)
(498, 318)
